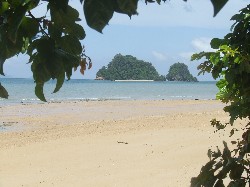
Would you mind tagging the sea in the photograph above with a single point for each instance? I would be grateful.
(22, 90)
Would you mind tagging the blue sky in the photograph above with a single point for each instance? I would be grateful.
(161, 34)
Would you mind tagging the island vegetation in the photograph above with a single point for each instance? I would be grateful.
(129, 68)
(179, 72)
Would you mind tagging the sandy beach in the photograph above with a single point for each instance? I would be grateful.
(107, 143)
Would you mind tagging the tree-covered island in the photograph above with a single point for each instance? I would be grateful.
(129, 68)
(179, 72)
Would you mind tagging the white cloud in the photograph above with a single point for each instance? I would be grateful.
(201, 44)
(159, 56)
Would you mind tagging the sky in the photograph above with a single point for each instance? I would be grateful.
(161, 34)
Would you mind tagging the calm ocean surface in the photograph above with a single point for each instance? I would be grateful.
(22, 90)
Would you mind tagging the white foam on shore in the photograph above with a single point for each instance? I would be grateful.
(134, 80)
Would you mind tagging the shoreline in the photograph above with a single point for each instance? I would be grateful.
(133, 108)
(107, 143)
(76, 100)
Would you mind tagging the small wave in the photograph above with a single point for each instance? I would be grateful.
(181, 96)
(88, 99)
(79, 98)
(30, 99)
(118, 98)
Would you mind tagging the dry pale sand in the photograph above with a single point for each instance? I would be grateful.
(106, 143)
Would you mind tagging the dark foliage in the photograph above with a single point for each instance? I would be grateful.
(231, 63)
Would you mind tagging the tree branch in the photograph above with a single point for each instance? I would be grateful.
(43, 31)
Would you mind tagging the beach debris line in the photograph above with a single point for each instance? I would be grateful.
(5, 125)
(122, 142)
(8, 123)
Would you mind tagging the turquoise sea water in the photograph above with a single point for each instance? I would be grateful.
(22, 90)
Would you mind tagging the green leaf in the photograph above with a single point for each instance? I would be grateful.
(3, 7)
(32, 3)
(54, 31)
(2, 60)
(76, 30)
(29, 27)
(16, 3)
(45, 46)
(8, 48)
(127, 7)
(39, 91)
(65, 22)
(68, 70)
(60, 17)
(41, 75)
(25, 45)
(98, 13)
(198, 56)
(71, 14)
(70, 45)
(40, 72)
(60, 4)
(219, 183)
(55, 66)
(221, 84)
(244, 66)
(236, 171)
(15, 21)
(209, 154)
(159, 1)
(206, 177)
(217, 153)
(60, 80)
(238, 183)
(237, 17)
(226, 151)
(3, 92)
(218, 5)
(215, 43)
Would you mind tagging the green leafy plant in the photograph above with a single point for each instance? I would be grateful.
(231, 64)
(53, 42)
